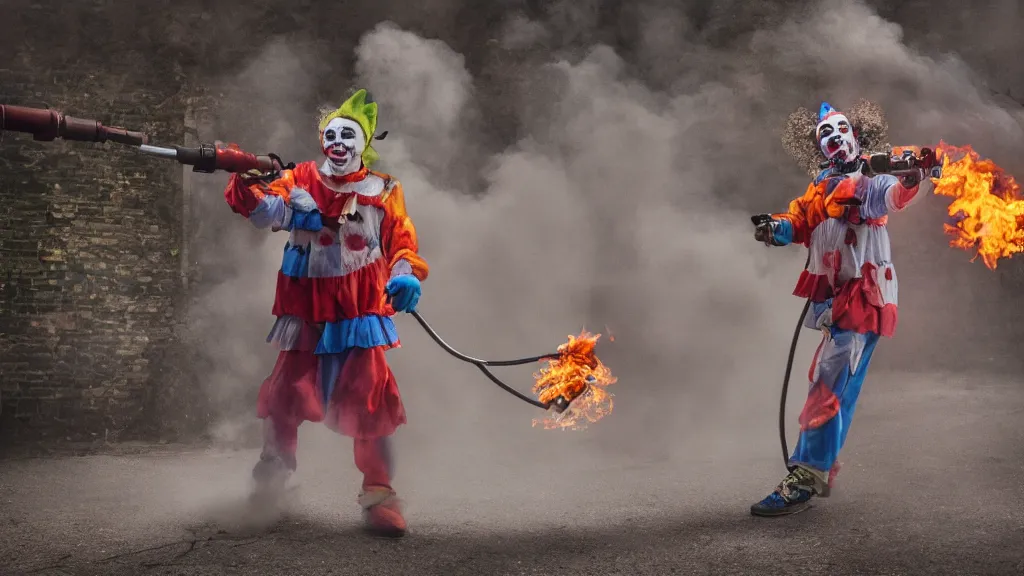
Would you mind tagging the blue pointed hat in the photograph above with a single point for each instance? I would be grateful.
(824, 111)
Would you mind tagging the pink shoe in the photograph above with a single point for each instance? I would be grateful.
(382, 513)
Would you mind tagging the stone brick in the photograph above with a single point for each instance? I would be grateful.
(90, 235)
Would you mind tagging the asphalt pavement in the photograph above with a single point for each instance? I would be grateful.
(933, 483)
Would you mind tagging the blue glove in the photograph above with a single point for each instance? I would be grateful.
(782, 232)
(405, 292)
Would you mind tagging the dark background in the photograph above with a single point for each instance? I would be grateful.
(96, 277)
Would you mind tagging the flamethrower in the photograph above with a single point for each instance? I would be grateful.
(573, 372)
(906, 162)
(986, 209)
(47, 125)
(901, 161)
(987, 213)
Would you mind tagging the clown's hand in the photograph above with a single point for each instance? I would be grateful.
(910, 181)
(252, 175)
(775, 232)
(404, 291)
(302, 201)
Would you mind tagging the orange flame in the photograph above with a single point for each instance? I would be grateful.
(579, 376)
(987, 209)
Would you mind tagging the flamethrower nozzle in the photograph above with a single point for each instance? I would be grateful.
(560, 404)
(47, 125)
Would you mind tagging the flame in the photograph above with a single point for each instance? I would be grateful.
(579, 376)
(987, 210)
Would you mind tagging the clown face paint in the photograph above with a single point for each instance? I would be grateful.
(836, 139)
(343, 143)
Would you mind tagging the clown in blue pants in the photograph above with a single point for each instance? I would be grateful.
(836, 376)
(850, 280)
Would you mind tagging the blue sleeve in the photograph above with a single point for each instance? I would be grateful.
(305, 212)
(306, 221)
(273, 212)
(270, 212)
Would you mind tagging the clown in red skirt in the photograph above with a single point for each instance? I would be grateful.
(351, 262)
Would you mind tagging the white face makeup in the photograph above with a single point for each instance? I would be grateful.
(343, 143)
(836, 139)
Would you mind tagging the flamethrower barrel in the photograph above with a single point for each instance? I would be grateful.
(908, 163)
(159, 151)
(208, 158)
(47, 125)
(560, 404)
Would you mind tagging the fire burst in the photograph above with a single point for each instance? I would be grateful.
(579, 376)
(987, 209)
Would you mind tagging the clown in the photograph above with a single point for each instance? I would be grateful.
(850, 281)
(350, 263)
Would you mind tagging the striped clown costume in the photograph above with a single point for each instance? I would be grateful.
(851, 282)
(350, 263)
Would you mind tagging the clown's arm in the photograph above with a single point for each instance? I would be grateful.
(401, 248)
(886, 193)
(791, 226)
(278, 205)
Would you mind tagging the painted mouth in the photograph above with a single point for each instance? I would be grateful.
(838, 150)
(339, 155)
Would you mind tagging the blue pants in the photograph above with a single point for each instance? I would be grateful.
(836, 376)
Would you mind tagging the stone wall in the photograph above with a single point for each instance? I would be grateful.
(91, 283)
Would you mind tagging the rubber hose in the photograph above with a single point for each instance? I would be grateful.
(483, 364)
(785, 380)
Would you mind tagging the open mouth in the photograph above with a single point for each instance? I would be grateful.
(338, 155)
(837, 150)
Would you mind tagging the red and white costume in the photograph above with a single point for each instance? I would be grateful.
(351, 247)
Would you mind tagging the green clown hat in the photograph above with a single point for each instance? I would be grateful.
(359, 108)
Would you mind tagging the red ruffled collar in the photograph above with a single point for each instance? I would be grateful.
(356, 176)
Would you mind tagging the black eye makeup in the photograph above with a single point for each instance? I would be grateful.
(329, 135)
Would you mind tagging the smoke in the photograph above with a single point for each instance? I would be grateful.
(238, 263)
(614, 195)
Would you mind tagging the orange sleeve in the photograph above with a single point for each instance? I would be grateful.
(244, 196)
(805, 213)
(398, 234)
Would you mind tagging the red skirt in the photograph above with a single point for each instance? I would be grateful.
(353, 393)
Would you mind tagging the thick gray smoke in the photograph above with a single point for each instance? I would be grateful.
(240, 263)
(614, 195)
